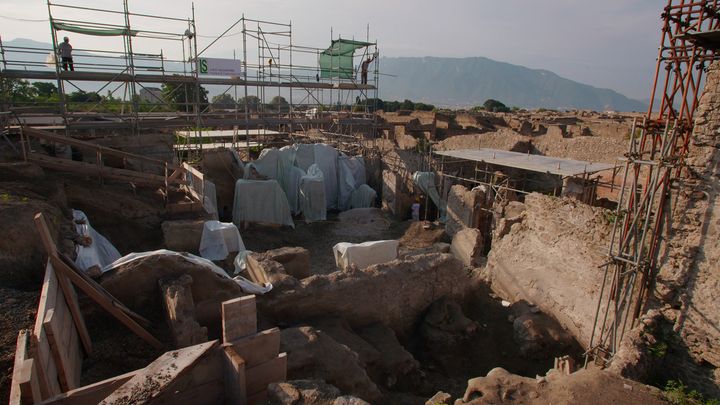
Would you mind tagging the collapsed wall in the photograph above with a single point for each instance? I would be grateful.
(551, 257)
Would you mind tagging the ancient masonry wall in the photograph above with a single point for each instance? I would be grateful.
(689, 277)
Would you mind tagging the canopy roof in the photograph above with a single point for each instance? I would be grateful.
(337, 60)
(525, 161)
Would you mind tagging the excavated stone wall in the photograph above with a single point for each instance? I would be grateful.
(689, 277)
(551, 257)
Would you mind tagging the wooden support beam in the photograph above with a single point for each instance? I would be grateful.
(65, 140)
(85, 168)
(92, 288)
(239, 318)
(68, 290)
(25, 386)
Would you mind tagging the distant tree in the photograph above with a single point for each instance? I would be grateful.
(45, 90)
(252, 102)
(423, 107)
(223, 102)
(16, 91)
(279, 103)
(81, 96)
(181, 96)
(495, 106)
(407, 105)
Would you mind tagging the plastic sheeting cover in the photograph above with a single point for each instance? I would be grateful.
(426, 182)
(326, 157)
(100, 253)
(219, 239)
(261, 201)
(365, 254)
(363, 197)
(312, 195)
(246, 285)
(210, 199)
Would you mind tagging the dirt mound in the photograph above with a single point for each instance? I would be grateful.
(135, 284)
(422, 234)
(551, 258)
(583, 387)
(362, 222)
(21, 251)
(130, 220)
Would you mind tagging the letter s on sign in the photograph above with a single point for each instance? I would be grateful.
(203, 66)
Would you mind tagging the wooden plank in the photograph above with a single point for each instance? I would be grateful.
(67, 289)
(234, 367)
(64, 344)
(257, 378)
(25, 386)
(239, 318)
(152, 381)
(39, 345)
(256, 271)
(91, 394)
(209, 393)
(258, 348)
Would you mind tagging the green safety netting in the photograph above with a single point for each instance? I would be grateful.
(337, 60)
(102, 32)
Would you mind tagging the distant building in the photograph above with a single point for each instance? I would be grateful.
(151, 95)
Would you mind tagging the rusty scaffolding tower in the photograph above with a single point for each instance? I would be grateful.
(653, 171)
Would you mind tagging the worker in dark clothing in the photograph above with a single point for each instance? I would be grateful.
(65, 52)
(364, 69)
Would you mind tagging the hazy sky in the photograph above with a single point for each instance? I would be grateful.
(608, 43)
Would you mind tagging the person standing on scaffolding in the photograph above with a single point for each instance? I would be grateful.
(364, 69)
(65, 52)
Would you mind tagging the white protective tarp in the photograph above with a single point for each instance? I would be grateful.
(210, 199)
(365, 254)
(293, 191)
(268, 164)
(246, 285)
(426, 182)
(219, 239)
(363, 197)
(326, 157)
(261, 201)
(304, 156)
(312, 195)
(100, 252)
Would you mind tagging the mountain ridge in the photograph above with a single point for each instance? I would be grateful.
(469, 81)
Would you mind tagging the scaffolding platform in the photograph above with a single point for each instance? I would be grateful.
(161, 78)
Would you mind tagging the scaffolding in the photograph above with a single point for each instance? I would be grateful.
(653, 168)
(281, 86)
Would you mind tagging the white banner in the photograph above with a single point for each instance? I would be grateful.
(219, 67)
